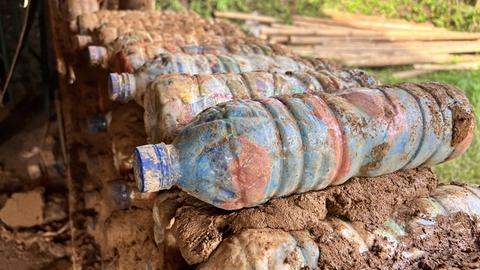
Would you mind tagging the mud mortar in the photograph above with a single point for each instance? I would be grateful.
(452, 243)
(199, 228)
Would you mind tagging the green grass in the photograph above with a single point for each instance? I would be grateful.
(466, 167)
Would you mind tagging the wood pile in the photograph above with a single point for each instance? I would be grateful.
(367, 41)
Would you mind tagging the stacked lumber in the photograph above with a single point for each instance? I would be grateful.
(367, 41)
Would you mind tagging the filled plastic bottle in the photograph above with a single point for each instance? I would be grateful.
(99, 122)
(264, 249)
(202, 64)
(209, 64)
(123, 195)
(172, 101)
(89, 22)
(98, 55)
(76, 8)
(268, 248)
(241, 153)
(134, 53)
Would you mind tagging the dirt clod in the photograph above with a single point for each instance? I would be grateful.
(23, 209)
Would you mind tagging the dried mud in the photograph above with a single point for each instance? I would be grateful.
(452, 243)
(463, 118)
(126, 132)
(129, 240)
(199, 228)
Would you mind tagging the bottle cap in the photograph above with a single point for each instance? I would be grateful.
(97, 56)
(98, 122)
(152, 168)
(121, 86)
(119, 194)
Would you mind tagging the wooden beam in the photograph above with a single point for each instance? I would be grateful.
(378, 38)
(420, 69)
(244, 16)
(369, 25)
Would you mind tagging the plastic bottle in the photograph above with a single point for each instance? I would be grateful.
(268, 248)
(131, 43)
(79, 7)
(122, 84)
(99, 122)
(123, 195)
(172, 101)
(264, 249)
(131, 54)
(242, 153)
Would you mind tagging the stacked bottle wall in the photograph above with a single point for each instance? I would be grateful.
(254, 147)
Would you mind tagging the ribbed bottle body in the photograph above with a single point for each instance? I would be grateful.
(242, 153)
(197, 64)
(172, 101)
(265, 249)
(128, 53)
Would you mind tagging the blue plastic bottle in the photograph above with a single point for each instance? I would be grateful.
(242, 153)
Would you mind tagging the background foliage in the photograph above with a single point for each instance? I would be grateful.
(453, 14)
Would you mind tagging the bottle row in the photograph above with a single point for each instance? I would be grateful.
(242, 153)
(168, 28)
(135, 50)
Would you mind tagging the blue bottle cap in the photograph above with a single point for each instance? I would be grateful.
(152, 168)
(97, 123)
(119, 194)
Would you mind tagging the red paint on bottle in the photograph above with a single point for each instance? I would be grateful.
(250, 174)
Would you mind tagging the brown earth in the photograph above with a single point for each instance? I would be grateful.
(452, 243)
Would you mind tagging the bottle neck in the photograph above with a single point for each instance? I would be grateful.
(97, 56)
(155, 167)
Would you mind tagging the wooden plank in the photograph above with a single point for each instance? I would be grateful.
(429, 68)
(379, 26)
(375, 20)
(278, 39)
(324, 40)
(392, 61)
(244, 16)
(316, 32)
(424, 47)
